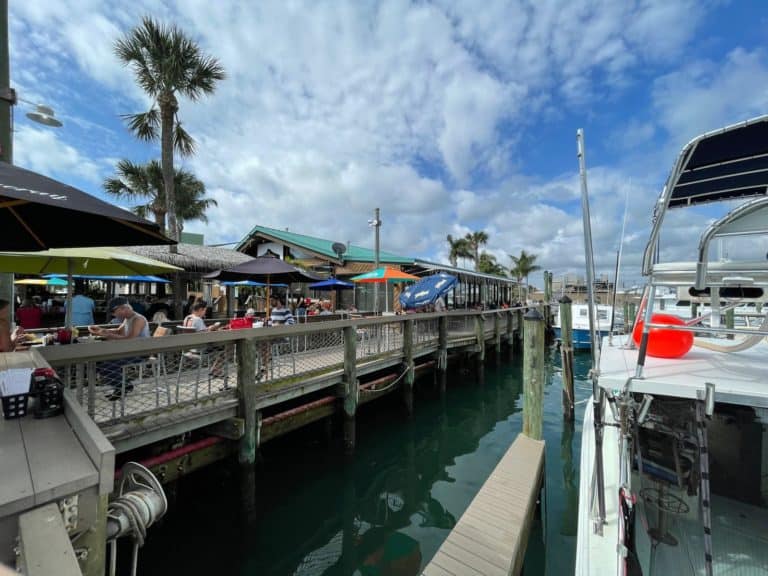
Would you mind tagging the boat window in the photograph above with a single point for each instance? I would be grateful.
(583, 312)
(602, 314)
(683, 303)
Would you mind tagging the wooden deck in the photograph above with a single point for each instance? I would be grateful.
(491, 536)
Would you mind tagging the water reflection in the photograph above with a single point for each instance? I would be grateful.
(309, 510)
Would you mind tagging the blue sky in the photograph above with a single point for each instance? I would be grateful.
(450, 116)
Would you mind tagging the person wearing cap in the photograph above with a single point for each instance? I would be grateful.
(132, 325)
(250, 313)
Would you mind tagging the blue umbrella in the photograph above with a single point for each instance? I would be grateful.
(427, 290)
(133, 278)
(331, 284)
(248, 283)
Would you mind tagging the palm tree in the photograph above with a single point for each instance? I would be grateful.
(522, 266)
(489, 265)
(459, 249)
(145, 183)
(474, 241)
(165, 63)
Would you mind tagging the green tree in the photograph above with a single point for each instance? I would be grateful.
(489, 265)
(459, 248)
(522, 266)
(166, 63)
(144, 183)
(474, 241)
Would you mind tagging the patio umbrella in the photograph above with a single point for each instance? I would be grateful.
(41, 282)
(140, 278)
(427, 290)
(38, 213)
(265, 269)
(70, 261)
(384, 275)
(332, 284)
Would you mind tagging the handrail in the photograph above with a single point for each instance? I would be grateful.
(117, 348)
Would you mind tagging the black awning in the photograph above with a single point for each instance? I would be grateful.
(723, 165)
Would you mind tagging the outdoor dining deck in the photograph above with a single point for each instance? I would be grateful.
(182, 382)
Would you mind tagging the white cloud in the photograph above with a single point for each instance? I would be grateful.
(41, 150)
(332, 109)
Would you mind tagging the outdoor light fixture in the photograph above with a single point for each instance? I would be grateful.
(44, 115)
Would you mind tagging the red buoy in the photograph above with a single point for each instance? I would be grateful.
(663, 343)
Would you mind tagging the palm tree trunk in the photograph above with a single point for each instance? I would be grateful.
(168, 107)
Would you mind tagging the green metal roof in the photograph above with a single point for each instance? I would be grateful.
(322, 246)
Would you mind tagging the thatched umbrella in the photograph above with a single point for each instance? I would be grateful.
(195, 259)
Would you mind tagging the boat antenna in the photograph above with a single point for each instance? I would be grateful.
(618, 267)
(597, 396)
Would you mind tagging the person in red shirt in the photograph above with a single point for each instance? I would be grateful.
(29, 316)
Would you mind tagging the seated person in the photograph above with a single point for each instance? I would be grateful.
(195, 319)
(132, 325)
(8, 338)
(280, 314)
(29, 316)
(326, 311)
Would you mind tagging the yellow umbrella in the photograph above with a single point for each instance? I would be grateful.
(93, 261)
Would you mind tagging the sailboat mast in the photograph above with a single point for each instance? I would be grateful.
(597, 403)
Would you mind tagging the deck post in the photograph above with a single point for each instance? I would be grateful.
(350, 386)
(480, 337)
(246, 385)
(442, 351)
(519, 316)
(533, 374)
(566, 356)
(497, 335)
(409, 364)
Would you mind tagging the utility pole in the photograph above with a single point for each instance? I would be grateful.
(7, 100)
(376, 223)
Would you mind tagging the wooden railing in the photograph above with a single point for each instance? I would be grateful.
(149, 376)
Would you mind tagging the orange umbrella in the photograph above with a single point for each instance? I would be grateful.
(385, 275)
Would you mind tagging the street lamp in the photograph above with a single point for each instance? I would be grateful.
(375, 223)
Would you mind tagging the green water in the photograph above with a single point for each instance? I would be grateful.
(309, 510)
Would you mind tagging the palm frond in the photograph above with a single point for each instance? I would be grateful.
(182, 140)
(145, 125)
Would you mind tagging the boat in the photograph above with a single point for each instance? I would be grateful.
(674, 456)
(581, 327)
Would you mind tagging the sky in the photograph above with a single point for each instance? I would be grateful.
(451, 116)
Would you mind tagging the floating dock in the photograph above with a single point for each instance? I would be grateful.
(491, 536)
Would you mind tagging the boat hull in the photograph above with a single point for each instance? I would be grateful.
(581, 338)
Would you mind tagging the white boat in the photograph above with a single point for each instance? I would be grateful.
(674, 459)
(580, 323)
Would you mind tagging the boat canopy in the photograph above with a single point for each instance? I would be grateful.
(723, 165)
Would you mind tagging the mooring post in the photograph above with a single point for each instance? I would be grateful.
(246, 387)
(519, 321)
(548, 299)
(350, 386)
(533, 374)
(566, 356)
(480, 337)
(442, 351)
(729, 321)
(409, 377)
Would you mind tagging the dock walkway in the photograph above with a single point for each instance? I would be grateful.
(491, 536)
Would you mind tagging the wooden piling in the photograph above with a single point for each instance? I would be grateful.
(442, 352)
(729, 321)
(480, 337)
(350, 386)
(246, 386)
(409, 377)
(566, 356)
(497, 336)
(533, 374)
